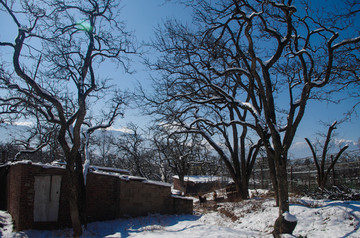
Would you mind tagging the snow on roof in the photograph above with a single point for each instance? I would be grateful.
(157, 183)
(29, 162)
(120, 173)
(200, 178)
(110, 169)
(134, 178)
(181, 197)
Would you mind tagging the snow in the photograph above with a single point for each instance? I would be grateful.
(182, 197)
(110, 169)
(251, 108)
(45, 166)
(289, 217)
(347, 41)
(87, 156)
(202, 179)
(157, 183)
(251, 218)
(7, 227)
(302, 51)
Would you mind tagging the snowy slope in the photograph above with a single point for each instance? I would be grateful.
(252, 218)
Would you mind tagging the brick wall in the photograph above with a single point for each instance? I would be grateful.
(108, 197)
(177, 185)
(140, 198)
(3, 185)
(21, 194)
(181, 205)
(101, 197)
(13, 193)
(143, 197)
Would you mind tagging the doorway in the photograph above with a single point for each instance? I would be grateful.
(46, 201)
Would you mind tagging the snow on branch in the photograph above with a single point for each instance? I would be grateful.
(346, 42)
(31, 151)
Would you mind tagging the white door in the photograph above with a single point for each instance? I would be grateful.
(46, 201)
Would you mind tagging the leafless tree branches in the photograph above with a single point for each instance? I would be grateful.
(52, 72)
(250, 65)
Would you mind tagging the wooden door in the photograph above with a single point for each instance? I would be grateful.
(46, 201)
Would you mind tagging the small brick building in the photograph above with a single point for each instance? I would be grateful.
(36, 196)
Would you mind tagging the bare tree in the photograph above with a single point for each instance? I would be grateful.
(347, 61)
(103, 149)
(252, 64)
(52, 73)
(177, 151)
(135, 154)
(200, 102)
(322, 175)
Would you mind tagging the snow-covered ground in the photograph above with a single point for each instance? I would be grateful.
(252, 218)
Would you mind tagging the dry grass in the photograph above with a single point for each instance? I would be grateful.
(228, 214)
(232, 211)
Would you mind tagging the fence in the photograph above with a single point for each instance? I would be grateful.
(304, 176)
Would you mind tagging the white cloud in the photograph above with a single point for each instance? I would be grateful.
(299, 145)
(23, 123)
(343, 142)
(123, 129)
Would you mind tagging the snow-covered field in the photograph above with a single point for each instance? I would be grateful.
(252, 218)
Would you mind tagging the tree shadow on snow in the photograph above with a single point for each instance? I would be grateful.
(354, 206)
(350, 206)
(126, 227)
(116, 228)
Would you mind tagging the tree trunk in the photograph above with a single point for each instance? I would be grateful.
(283, 191)
(73, 202)
(81, 190)
(273, 178)
(245, 187)
(242, 189)
(322, 184)
(282, 225)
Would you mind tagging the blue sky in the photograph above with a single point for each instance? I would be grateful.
(142, 16)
